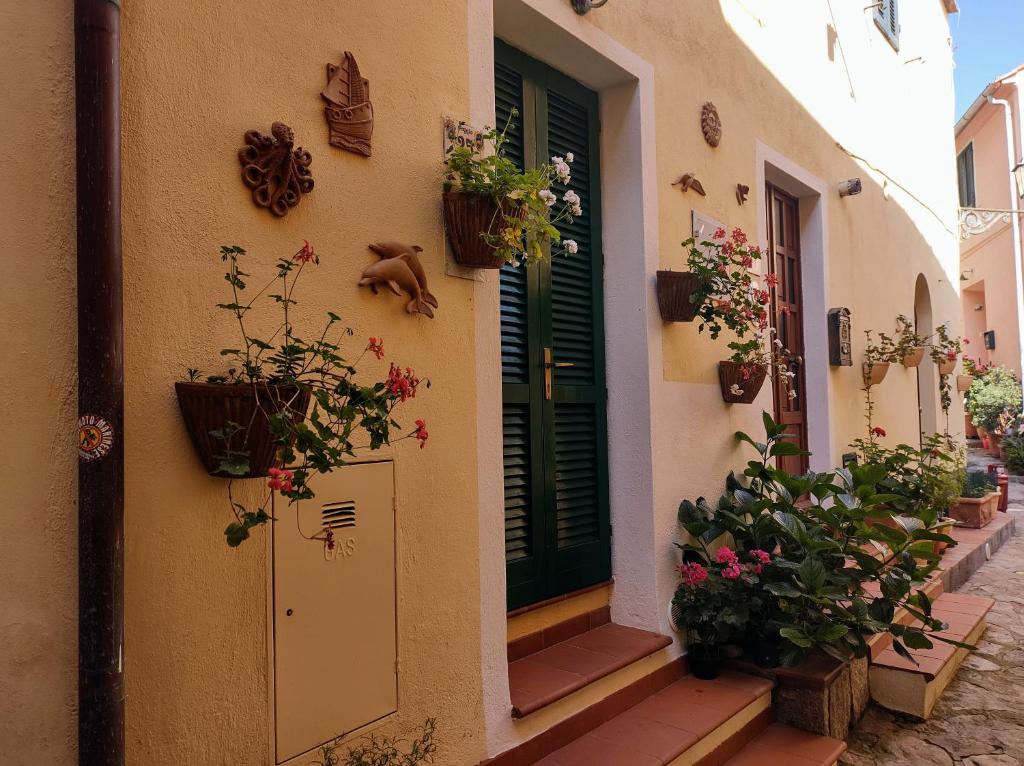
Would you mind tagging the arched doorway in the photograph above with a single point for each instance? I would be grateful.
(927, 382)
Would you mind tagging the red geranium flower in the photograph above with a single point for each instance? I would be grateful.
(421, 433)
(376, 346)
(306, 253)
(878, 431)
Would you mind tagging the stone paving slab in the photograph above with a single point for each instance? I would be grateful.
(979, 721)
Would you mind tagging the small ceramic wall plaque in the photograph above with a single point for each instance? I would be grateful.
(711, 124)
(349, 112)
(689, 181)
(274, 169)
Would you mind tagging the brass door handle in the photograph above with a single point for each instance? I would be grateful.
(550, 364)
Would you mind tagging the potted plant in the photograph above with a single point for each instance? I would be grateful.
(945, 350)
(254, 420)
(910, 346)
(877, 357)
(990, 396)
(978, 501)
(495, 213)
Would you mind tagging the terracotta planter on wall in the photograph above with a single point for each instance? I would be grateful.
(875, 373)
(207, 407)
(748, 380)
(963, 382)
(975, 512)
(913, 358)
(674, 289)
(466, 217)
(946, 366)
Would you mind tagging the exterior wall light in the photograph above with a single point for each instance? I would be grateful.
(1018, 176)
(583, 6)
(850, 187)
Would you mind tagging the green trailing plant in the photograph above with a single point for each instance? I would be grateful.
(991, 395)
(907, 339)
(383, 751)
(529, 210)
(814, 589)
(945, 348)
(1014, 446)
(346, 416)
(978, 484)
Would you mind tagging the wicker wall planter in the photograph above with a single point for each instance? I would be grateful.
(674, 290)
(946, 366)
(466, 217)
(963, 382)
(207, 407)
(875, 373)
(731, 373)
(914, 358)
(976, 512)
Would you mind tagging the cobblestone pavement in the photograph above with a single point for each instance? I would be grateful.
(979, 720)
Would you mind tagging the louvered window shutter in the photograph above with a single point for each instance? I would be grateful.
(887, 19)
(965, 176)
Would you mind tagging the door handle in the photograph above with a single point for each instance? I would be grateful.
(549, 365)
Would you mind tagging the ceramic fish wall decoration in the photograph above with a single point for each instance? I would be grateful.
(277, 173)
(689, 181)
(397, 275)
(349, 112)
(410, 252)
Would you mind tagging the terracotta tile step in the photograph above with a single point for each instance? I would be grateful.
(548, 675)
(780, 745)
(914, 687)
(684, 723)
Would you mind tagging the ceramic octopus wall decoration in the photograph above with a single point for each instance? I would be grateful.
(274, 169)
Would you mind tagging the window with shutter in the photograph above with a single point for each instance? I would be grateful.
(887, 19)
(965, 176)
(557, 531)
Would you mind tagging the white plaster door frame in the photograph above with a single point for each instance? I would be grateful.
(812, 192)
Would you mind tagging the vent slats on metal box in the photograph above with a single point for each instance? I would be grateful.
(338, 515)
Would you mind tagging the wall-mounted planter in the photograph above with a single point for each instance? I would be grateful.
(976, 512)
(946, 366)
(207, 407)
(737, 387)
(674, 290)
(963, 382)
(913, 358)
(466, 216)
(875, 373)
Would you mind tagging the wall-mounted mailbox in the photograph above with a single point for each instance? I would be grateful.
(990, 339)
(840, 343)
(335, 644)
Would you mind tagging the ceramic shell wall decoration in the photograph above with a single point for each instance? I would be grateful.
(711, 124)
(349, 112)
(277, 173)
(401, 271)
(689, 181)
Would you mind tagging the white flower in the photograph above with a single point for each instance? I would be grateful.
(792, 394)
(557, 160)
(569, 157)
(572, 199)
(778, 343)
(562, 171)
(548, 196)
(570, 245)
(735, 390)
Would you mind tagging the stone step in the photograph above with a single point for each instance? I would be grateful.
(780, 745)
(556, 670)
(913, 688)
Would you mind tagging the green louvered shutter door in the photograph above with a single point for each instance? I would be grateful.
(557, 535)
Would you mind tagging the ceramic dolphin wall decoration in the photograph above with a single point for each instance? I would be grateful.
(397, 275)
(396, 250)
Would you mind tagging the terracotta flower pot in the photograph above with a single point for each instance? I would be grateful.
(875, 373)
(466, 217)
(944, 527)
(674, 289)
(207, 407)
(913, 358)
(705, 661)
(747, 379)
(995, 443)
(975, 512)
(946, 366)
(963, 382)
(969, 429)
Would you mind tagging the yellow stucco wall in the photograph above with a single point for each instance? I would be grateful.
(195, 77)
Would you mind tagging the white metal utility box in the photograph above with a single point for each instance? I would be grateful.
(334, 612)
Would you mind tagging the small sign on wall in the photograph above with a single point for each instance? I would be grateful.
(840, 335)
(704, 226)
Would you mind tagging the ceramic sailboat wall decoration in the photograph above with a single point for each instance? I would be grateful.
(349, 112)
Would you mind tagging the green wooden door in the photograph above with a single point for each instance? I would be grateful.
(557, 530)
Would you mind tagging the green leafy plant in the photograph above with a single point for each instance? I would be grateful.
(1014, 446)
(383, 751)
(978, 484)
(343, 410)
(945, 348)
(824, 553)
(991, 395)
(528, 209)
(907, 339)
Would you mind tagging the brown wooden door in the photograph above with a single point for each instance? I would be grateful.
(788, 317)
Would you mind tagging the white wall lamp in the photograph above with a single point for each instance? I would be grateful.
(850, 187)
(583, 6)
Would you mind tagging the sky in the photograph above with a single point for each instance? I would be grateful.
(988, 41)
